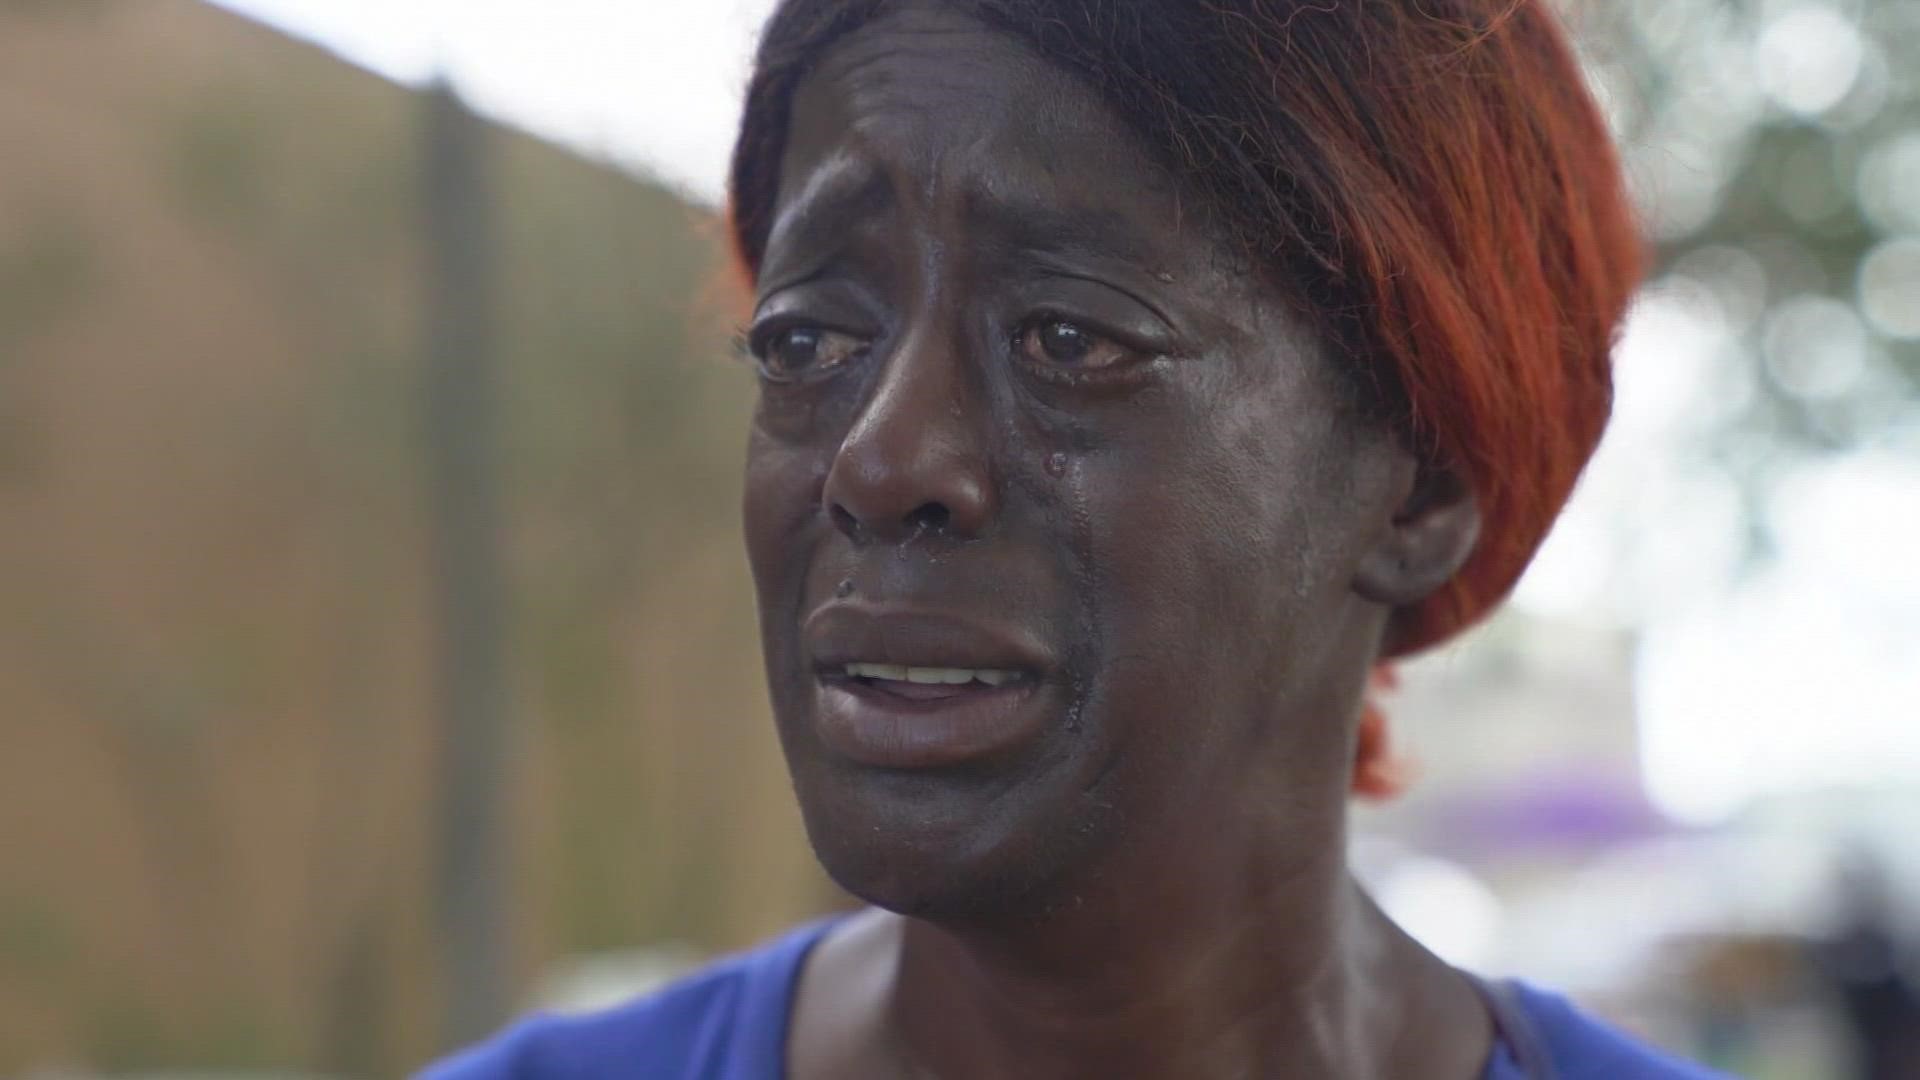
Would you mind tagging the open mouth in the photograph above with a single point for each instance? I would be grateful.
(904, 689)
(925, 683)
(901, 716)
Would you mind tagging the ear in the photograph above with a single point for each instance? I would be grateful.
(1427, 542)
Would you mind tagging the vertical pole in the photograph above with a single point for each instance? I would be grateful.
(471, 879)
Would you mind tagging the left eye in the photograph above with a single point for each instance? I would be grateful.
(1063, 343)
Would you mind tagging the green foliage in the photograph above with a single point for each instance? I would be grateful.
(1777, 148)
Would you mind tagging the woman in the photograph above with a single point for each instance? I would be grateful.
(1136, 375)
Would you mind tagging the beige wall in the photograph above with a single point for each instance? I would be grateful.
(215, 636)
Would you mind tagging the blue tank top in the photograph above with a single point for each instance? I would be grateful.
(729, 1022)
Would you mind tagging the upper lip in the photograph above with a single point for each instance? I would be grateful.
(843, 633)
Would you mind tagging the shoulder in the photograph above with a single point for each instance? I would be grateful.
(728, 1019)
(1584, 1048)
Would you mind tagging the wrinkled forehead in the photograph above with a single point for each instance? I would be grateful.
(931, 110)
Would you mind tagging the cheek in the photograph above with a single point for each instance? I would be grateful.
(1218, 514)
(1201, 565)
(1218, 543)
(780, 500)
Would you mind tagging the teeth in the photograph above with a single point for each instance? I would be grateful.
(930, 676)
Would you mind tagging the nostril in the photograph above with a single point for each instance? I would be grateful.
(844, 520)
(932, 516)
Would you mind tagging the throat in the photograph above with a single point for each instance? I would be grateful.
(1250, 1002)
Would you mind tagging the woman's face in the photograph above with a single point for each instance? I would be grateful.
(1053, 508)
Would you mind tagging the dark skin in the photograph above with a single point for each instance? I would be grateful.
(1024, 414)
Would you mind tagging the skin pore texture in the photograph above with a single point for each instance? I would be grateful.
(1023, 412)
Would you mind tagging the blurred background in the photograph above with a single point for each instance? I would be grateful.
(377, 658)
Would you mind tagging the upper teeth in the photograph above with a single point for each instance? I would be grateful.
(930, 675)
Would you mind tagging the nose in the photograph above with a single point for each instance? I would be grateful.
(915, 458)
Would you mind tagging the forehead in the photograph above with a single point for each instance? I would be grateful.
(930, 110)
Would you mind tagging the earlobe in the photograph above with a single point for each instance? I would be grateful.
(1432, 533)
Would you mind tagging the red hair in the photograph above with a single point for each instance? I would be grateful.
(1431, 181)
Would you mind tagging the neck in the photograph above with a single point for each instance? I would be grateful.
(1183, 960)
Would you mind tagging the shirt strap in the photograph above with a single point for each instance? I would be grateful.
(1514, 1026)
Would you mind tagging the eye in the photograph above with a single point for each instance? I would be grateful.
(800, 351)
(1063, 343)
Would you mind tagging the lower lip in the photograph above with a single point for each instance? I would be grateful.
(874, 727)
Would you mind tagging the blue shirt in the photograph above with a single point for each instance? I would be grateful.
(729, 1022)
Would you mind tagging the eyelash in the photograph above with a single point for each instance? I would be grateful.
(750, 342)
(754, 342)
(1069, 376)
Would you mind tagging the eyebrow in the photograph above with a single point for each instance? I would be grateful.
(839, 194)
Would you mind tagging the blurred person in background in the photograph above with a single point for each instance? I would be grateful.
(1135, 379)
(1867, 966)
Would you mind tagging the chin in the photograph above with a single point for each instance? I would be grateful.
(946, 848)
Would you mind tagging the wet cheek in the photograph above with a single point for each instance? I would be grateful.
(1158, 635)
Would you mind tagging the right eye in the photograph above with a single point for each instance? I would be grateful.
(799, 351)
(1063, 343)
